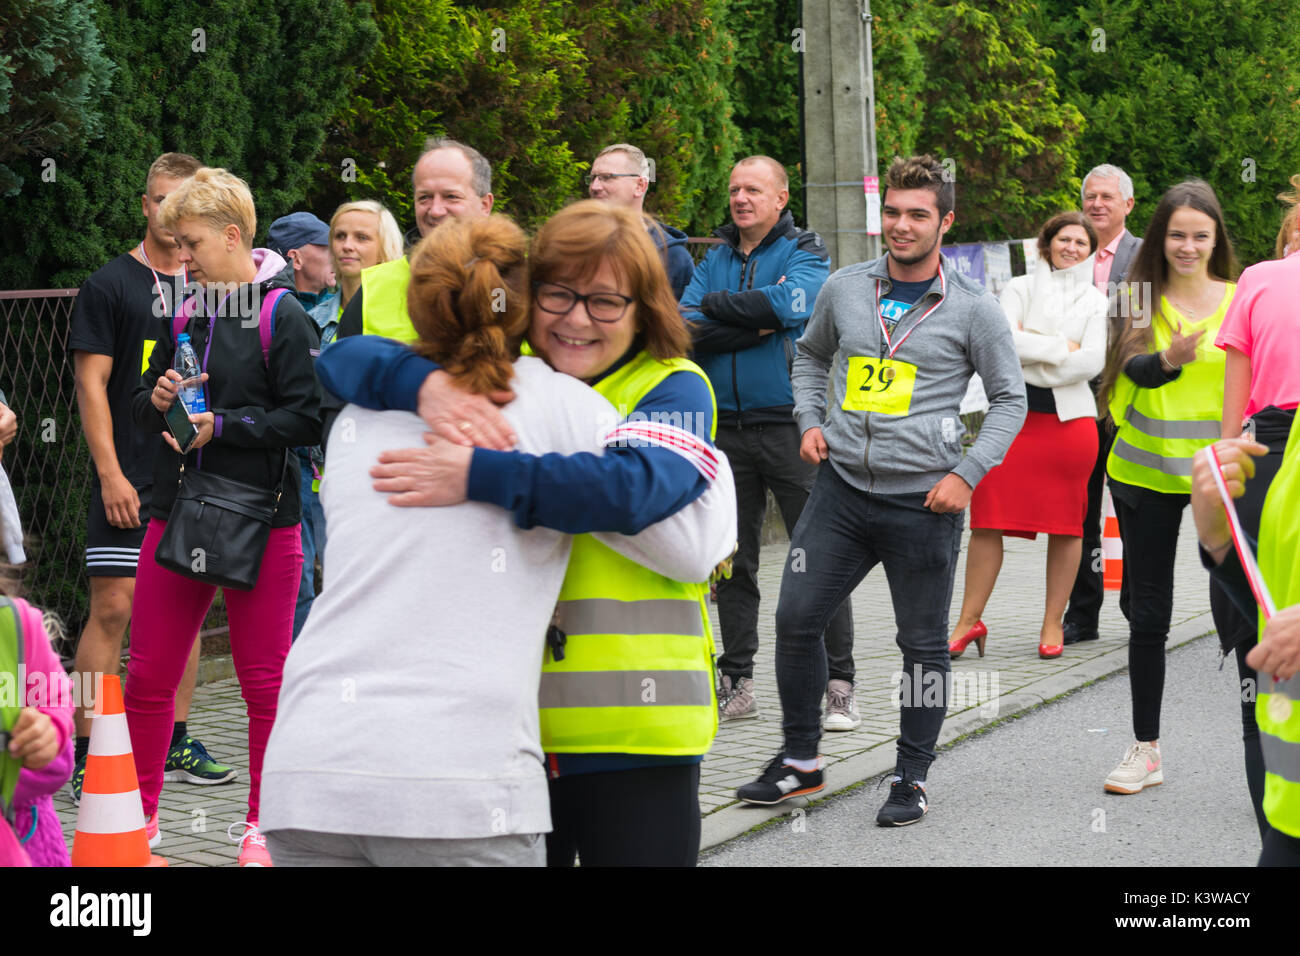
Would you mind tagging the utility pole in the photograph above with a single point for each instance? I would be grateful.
(839, 119)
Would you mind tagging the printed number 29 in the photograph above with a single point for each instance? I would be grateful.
(886, 379)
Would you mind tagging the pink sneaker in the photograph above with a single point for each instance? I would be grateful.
(151, 830)
(252, 845)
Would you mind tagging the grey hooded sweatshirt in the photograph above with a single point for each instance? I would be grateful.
(955, 329)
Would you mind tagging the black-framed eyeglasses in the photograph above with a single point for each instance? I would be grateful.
(606, 177)
(560, 299)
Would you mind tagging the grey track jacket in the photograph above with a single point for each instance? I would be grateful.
(908, 451)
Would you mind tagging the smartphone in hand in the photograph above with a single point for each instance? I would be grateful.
(179, 424)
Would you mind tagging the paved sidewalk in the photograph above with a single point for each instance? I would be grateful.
(1009, 680)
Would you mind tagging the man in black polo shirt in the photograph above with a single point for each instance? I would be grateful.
(116, 310)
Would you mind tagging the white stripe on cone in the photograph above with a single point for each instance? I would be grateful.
(111, 736)
(1112, 545)
(110, 812)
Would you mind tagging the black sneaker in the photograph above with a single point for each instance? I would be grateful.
(74, 785)
(780, 782)
(906, 804)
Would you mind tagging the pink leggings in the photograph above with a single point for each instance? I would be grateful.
(165, 619)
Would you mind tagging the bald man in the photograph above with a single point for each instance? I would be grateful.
(747, 304)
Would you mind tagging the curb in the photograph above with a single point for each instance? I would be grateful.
(737, 819)
(218, 667)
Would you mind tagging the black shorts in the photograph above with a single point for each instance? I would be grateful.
(113, 552)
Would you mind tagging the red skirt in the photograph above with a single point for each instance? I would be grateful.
(1042, 484)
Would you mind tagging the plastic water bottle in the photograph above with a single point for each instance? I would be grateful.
(187, 364)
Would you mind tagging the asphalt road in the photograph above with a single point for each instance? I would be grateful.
(1028, 792)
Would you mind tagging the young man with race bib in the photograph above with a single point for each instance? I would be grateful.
(902, 335)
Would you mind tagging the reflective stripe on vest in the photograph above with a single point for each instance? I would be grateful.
(1175, 429)
(1170, 466)
(383, 300)
(1281, 757)
(637, 672)
(605, 616)
(1160, 430)
(1277, 711)
(635, 689)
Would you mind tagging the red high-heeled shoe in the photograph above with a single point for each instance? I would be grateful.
(978, 634)
(1047, 652)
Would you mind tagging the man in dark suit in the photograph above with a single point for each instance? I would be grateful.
(1107, 201)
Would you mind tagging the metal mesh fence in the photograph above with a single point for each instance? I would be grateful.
(49, 464)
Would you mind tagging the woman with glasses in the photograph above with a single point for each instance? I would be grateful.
(627, 699)
(434, 620)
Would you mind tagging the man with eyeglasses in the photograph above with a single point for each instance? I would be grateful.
(620, 176)
(747, 304)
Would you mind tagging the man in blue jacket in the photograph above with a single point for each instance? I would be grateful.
(748, 303)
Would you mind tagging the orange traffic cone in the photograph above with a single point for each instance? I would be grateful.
(1112, 548)
(110, 821)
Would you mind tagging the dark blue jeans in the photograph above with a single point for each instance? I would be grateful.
(842, 534)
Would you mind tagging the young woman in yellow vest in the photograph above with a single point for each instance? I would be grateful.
(1163, 386)
(627, 693)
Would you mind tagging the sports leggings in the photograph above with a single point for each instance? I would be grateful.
(165, 619)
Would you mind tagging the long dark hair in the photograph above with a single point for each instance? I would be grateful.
(1150, 271)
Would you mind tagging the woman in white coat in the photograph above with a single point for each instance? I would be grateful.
(1058, 322)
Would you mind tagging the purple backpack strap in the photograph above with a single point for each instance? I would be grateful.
(266, 322)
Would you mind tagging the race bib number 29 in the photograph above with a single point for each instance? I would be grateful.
(879, 385)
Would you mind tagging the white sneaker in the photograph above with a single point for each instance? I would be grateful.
(841, 709)
(1140, 768)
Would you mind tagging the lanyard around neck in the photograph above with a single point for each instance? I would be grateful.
(884, 328)
(157, 283)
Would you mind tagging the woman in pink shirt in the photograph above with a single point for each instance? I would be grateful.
(1259, 334)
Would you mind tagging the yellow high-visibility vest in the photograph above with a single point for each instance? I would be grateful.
(637, 673)
(1159, 430)
(1277, 707)
(383, 300)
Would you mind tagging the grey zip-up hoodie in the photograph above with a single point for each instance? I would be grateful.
(955, 329)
